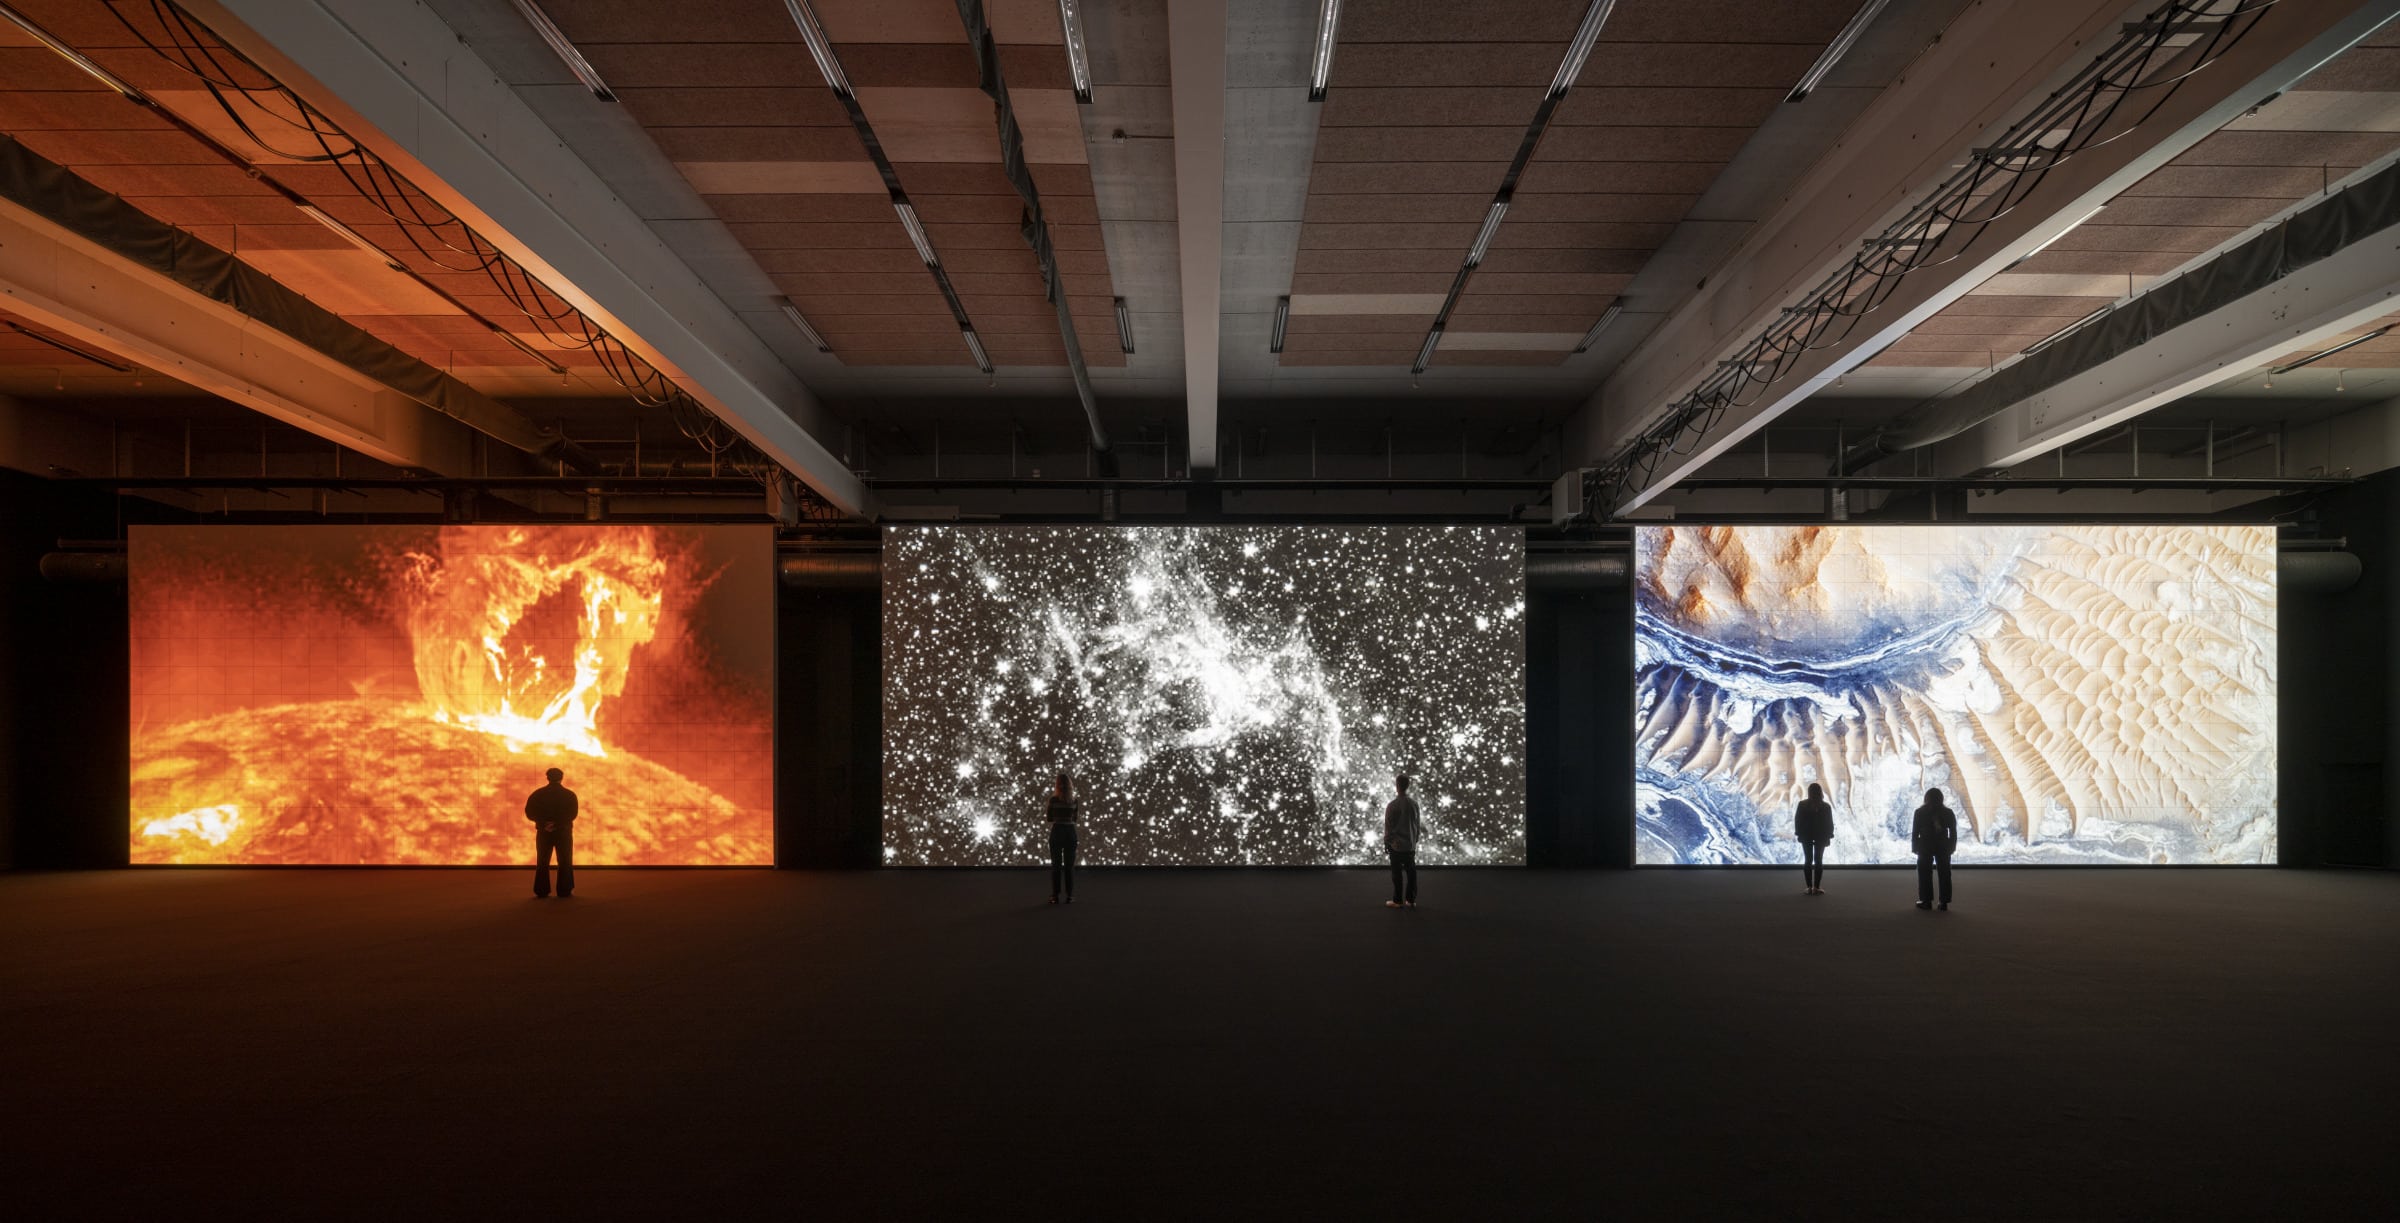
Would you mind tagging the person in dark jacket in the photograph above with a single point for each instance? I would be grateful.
(1935, 837)
(1813, 825)
(1062, 839)
(1401, 831)
(552, 811)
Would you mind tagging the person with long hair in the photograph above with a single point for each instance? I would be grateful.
(1062, 839)
(1935, 837)
(1812, 824)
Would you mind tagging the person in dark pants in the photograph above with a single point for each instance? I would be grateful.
(1935, 838)
(1813, 825)
(1062, 839)
(1401, 831)
(552, 810)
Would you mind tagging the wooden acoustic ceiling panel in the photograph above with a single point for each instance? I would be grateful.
(2344, 116)
(1429, 103)
(731, 95)
(67, 116)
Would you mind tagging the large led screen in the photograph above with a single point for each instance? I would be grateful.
(1221, 695)
(390, 695)
(2080, 694)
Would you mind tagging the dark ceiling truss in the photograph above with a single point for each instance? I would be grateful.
(257, 104)
(1034, 227)
(2114, 94)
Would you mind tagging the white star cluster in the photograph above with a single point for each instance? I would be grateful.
(1222, 695)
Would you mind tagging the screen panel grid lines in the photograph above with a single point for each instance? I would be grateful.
(389, 695)
(1231, 695)
(2081, 694)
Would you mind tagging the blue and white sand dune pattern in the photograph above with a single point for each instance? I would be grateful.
(2083, 694)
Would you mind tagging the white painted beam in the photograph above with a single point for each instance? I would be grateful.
(75, 287)
(1995, 62)
(401, 82)
(1196, 62)
(2292, 317)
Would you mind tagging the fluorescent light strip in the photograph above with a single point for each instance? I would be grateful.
(1606, 317)
(1078, 63)
(1835, 50)
(1320, 60)
(983, 360)
(352, 236)
(2063, 332)
(1124, 328)
(65, 347)
(1283, 315)
(819, 47)
(1425, 354)
(792, 312)
(70, 54)
(1580, 49)
(560, 43)
(2350, 343)
(916, 232)
(1491, 225)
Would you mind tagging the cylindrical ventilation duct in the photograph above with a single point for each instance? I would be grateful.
(2317, 573)
(83, 568)
(1577, 570)
(831, 570)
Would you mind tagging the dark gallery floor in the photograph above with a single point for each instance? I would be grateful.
(430, 1044)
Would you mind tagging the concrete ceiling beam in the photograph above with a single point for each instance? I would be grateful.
(1996, 61)
(2291, 318)
(409, 88)
(1196, 62)
(99, 300)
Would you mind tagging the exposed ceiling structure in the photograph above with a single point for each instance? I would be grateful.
(1490, 242)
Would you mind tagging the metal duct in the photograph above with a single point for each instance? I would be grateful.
(1577, 570)
(83, 568)
(831, 570)
(2317, 573)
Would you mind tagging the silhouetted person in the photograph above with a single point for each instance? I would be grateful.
(1813, 825)
(1935, 838)
(1401, 830)
(552, 810)
(1062, 839)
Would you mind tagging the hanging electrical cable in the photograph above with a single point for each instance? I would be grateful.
(2152, 57)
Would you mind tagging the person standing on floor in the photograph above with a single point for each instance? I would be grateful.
(1062, 839)
(1813, 825)
(1935, 838)
(552, 812)
(1401, 832)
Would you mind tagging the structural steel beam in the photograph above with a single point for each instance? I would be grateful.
(1995, 61)
(404, 84)
(2294, 316)
(82, 290)
(1196, 61)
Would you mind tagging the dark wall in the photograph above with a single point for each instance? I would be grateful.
(829, 729)
(64, 683)
(2339, 694)
(1579, 728)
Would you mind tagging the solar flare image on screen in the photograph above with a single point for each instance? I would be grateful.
(1221, 695)
(2080, 694)
(332, 695)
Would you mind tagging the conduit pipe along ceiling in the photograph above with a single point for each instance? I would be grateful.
(829, 66)
(1570, 66)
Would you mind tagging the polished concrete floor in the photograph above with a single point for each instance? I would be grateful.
(436, 1044)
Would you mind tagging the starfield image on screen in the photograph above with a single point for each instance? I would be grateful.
(1221, 695)
(389, 695)
(2080, 694)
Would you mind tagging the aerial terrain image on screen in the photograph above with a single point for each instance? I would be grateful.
(2082, 694)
